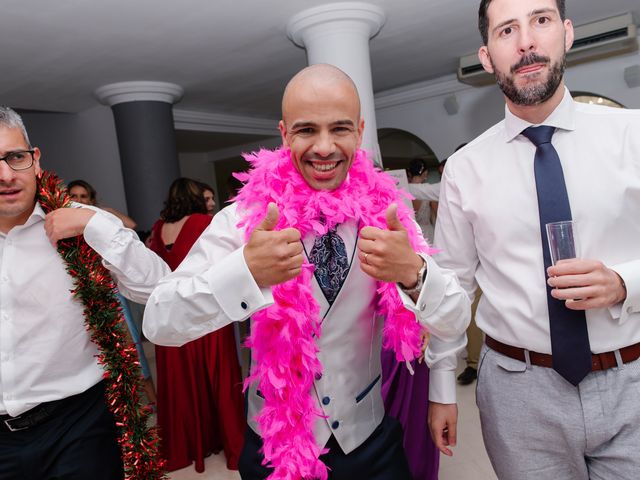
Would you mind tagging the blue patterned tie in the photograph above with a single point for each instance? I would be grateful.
(330, 258)
(569, 337)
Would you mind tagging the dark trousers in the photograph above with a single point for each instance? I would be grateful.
(77, 442)
(380, 457)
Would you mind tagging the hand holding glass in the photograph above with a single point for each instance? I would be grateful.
(561, 239)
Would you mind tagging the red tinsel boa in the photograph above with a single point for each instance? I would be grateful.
(282, 336)
(95, 288)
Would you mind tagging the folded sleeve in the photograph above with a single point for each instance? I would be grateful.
(135, 268)
(443, 308)
(457, 257)
(211, 288)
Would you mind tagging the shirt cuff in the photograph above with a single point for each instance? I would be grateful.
(432, 292)
(630, 274)
(442, 386)
(235, 289)
(101, 230)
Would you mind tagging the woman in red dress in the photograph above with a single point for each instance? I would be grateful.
(200, 402)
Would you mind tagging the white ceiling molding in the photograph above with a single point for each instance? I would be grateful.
(221, 122)
(446, 85)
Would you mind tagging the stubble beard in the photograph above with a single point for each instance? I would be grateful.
(533, 94)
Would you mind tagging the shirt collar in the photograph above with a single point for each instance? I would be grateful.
(36, 216)
(562, 117)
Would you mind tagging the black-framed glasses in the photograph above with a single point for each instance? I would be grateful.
(20, 160)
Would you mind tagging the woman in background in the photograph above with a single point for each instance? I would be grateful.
(82, 192)
(200, 402)
(425, 210)
(209, 197)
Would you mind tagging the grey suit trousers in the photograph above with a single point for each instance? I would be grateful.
(536, 425)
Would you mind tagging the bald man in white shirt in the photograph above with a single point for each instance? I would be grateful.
(547, 411)
(54, 422)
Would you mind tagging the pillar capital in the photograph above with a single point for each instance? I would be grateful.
(139, 91)
(339, 34)
(333, 17)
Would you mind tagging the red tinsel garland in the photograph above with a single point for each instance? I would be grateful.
(95, 288)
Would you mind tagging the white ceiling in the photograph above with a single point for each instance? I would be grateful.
(229, 56)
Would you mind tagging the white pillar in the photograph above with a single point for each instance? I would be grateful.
(338, 34)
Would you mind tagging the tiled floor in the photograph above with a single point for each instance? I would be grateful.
(469, 461)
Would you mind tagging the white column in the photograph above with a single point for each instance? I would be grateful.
(338, 34)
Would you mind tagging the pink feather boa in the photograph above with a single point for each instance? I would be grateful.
(282, 337)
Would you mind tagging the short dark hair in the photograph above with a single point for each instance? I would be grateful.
(185, 197)
(483, 20)
(87, 186)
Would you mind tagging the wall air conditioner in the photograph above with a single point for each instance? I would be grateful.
(596, 40)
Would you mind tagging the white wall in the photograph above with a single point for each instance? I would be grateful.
(479, 108)
(83, 146)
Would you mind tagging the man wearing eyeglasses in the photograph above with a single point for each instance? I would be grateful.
(54, 422)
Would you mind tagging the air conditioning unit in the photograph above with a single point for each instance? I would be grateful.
(601, 39)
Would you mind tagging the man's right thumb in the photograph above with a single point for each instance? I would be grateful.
(271, 219)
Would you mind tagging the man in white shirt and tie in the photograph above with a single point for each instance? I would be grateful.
(54, 421)
(559, 374)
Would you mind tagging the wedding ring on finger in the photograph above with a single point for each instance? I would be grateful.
(365, 258)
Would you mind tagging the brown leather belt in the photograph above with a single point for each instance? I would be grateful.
(599, 361)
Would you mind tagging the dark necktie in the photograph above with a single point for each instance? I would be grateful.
(330, 258)
(569, 337)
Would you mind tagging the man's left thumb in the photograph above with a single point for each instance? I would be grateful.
(393, 222)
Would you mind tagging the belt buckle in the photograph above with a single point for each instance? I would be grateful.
(8, 421)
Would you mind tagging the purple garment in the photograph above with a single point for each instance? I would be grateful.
(406, 398)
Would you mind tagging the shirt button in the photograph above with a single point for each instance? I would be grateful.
(244, 305)
(318, 376)
(335, 425)
(422, 306)
(326, 401)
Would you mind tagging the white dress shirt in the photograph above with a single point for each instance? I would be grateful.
(425, 191)
(213, 287)
(45, 350)
(488, 224)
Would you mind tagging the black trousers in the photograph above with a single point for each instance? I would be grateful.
(77, 442)
(380, 457)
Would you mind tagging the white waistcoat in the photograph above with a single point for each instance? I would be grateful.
(348, 392)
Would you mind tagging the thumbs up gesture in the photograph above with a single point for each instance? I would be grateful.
(273, 256)
(387, 254)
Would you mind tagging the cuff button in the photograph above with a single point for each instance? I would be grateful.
(244, 305)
